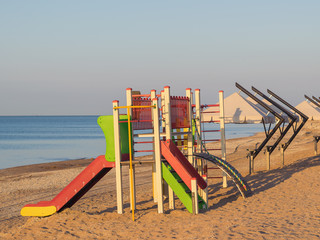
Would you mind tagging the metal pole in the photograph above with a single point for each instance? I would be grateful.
(132, 169)
(132, 202)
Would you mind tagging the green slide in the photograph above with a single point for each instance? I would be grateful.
(180, 188)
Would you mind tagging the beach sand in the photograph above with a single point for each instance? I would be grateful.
(285, 203)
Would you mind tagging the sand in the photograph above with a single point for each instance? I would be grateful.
(285, 203)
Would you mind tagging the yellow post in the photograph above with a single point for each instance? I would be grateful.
(130, 158)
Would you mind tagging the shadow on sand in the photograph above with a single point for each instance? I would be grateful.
(260, 181)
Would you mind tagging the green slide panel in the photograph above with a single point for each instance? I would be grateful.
(180, 188)
(106, 124)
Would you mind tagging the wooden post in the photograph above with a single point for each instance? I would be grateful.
(154, 185)
(282, 153)
(268, 157)
(132, 201)
(167, 112)
(316, 140)
(190, 138)
(198, 127)
(251, 162)
(129, 98)
(157, 156)
(201, 164)
(205, 191)
(165, 186)
(223, 136)
(194, 193)
(117, 157)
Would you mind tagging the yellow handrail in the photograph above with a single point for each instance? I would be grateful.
(151, 106)
(130, 149)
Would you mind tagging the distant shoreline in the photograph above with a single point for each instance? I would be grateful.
(62, 115)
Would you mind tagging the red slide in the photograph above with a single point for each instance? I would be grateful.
(180, 164)
(73, 192)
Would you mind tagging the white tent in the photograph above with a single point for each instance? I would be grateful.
(309, 109)
(266, 112)
(237, 110)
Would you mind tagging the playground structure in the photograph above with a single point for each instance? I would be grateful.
(179, 154)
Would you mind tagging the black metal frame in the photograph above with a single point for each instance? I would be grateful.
(316, 99)
(283, 130)
(311, 100)
(296, 129)
(268, 133)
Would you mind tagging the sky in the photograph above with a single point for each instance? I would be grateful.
(74, 57)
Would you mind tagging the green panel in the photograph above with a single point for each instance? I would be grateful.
(178, 189)
(106, 124)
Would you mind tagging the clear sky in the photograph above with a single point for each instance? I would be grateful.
(76, 56)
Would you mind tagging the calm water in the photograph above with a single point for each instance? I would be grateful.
(38, 139)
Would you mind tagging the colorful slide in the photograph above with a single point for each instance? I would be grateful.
(230, 171)
(73, 192)
(178, 172)
(180, 164)
(89, 176)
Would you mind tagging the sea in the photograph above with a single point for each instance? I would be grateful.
(26, 140)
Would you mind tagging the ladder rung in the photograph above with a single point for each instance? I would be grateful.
(216, 121)
(210, 112)
(210, 130)
(210, 105)
(211, 140)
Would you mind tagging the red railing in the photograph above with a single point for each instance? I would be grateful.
(141, 117)
(179, 112)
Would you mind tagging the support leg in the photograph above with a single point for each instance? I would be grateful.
(268, 158)
(315, 140)
(194, 191)
(171, 198)
(282, 153)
